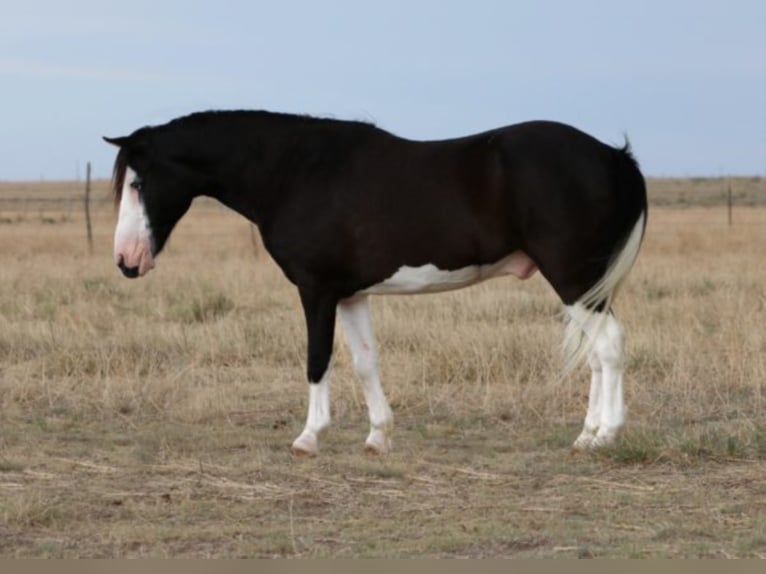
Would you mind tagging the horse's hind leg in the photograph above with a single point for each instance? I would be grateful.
(606, 412)
(610, 349)
(593, 417)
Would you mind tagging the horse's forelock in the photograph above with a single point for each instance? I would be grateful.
(118, 175)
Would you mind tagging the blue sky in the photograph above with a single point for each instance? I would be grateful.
(686, 80)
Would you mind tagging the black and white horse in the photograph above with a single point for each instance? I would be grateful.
(349, 210)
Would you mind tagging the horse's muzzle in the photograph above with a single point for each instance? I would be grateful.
(129, 272)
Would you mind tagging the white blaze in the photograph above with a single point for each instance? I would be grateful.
(133, 236)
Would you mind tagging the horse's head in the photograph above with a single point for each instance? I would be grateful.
(152, 191)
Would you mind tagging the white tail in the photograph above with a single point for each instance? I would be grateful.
(581, 316)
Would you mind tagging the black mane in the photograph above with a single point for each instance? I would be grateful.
(200, 118)
(207, 121)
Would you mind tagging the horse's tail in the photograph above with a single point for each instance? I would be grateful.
(589, 311)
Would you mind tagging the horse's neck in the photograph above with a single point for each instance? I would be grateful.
(253, 193)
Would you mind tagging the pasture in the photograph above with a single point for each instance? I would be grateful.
(153, 418)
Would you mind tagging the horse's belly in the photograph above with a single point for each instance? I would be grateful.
(430, 279)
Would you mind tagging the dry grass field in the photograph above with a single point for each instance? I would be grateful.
(152, 418)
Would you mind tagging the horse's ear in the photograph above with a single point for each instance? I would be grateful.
(119, 142)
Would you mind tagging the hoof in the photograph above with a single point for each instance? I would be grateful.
(576, 450)
(605, 439)
(374, 450)
(305, 446)
(301, 452)
(377, 443)
(590, 441)
(585, 441)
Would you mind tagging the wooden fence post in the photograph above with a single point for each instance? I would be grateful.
(730, 202)
(87, 209)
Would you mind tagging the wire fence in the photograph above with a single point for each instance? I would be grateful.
(62, 198)
(68, 199)
(90, 204)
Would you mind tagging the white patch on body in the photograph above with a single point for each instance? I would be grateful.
(133, 236)
(357, 325)
(430, 279)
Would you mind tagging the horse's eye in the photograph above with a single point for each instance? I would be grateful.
(136, 184)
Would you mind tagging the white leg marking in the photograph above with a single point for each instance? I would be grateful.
(357, 324)
(606, 413)
(609, 347)
(318, 418)
(593, 417)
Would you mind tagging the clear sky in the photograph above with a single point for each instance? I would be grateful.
(686, 80)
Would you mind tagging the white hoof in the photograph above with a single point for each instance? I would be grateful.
(305, 445)
(606, 437)
(377, 443)
(585, 440)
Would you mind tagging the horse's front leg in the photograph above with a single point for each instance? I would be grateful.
(319, 310)
(357, 324)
